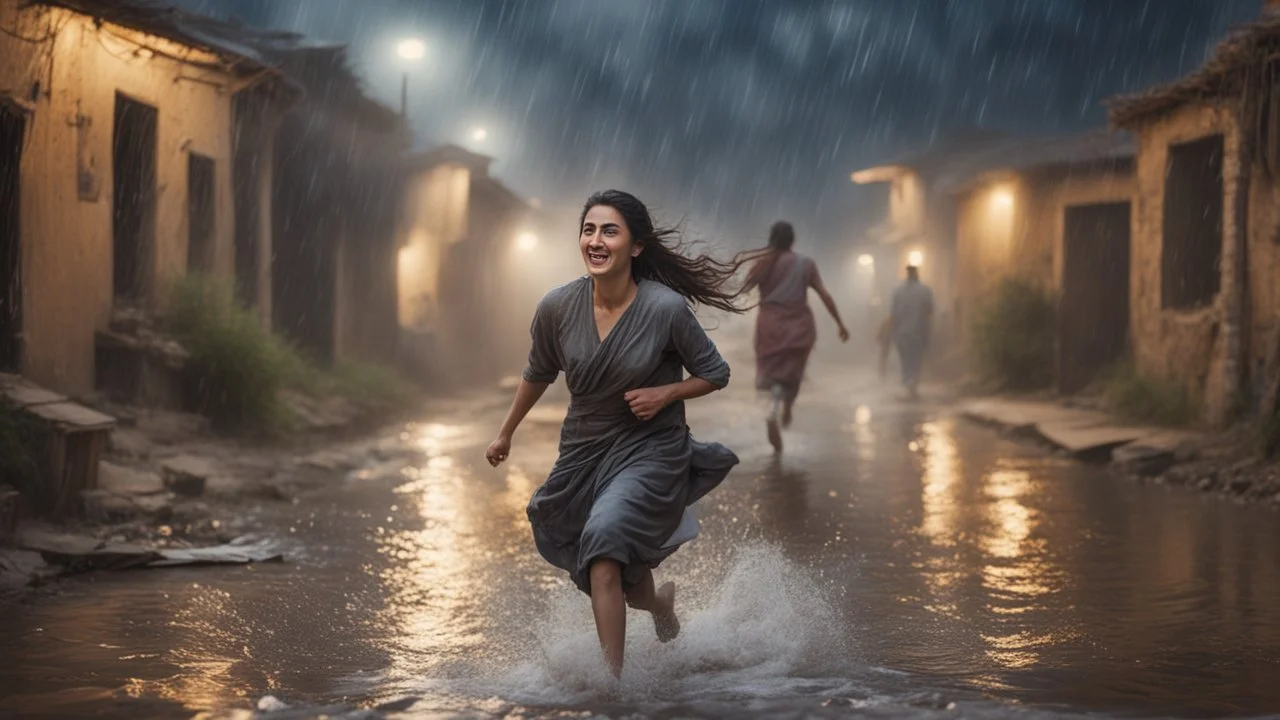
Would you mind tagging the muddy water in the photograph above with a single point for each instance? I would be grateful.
(896, 562)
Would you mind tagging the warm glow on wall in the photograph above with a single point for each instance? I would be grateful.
(1002, 198)
(527, 241)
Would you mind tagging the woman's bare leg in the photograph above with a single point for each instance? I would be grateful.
(610, 610)
(660, 602)
(771, 425)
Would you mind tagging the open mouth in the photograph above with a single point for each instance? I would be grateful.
(597, 259)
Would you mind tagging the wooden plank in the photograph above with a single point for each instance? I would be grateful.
(1077, 438)
(28, 395)
(78, 417)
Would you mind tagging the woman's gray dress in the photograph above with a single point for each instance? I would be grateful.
(621, 485)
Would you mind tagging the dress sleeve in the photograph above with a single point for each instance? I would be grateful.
(544, 353)
(697, 351)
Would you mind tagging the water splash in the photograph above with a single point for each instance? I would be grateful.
(766, 627)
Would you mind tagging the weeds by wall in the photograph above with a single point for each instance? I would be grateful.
(238, 368)
(1014, 335)
(1144, 399)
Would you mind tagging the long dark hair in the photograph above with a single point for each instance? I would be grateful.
(700, 278)
(781, 237)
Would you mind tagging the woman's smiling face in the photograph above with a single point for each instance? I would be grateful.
(606, 242)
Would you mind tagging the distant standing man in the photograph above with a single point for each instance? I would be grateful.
(910, 318)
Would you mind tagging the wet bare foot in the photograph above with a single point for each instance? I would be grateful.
(664, 619)
(775, 435)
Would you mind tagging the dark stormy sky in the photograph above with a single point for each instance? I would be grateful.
(737, 112)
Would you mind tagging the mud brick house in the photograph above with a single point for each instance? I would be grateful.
(334, 205)
(116, 169)
(1055, 211)
(920, 219)
(464, 233)
(1206, 303)
(980, 206)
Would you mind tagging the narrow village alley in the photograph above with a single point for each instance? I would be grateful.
(896, 561)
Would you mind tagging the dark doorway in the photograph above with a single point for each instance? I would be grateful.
(12, 124)
(1191, 261)
(134, 198)
(1094, 316)
(200, 213)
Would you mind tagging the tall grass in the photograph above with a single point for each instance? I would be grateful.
(1140, 398)
(238, 368)
(1014, 335)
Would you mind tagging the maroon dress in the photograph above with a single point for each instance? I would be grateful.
(785, 329)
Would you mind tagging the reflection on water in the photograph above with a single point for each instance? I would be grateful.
(940, 478)
(894, 562)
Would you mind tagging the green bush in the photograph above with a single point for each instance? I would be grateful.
(237, 366)
(369, 383)
(1139, 398)
(1014, 336)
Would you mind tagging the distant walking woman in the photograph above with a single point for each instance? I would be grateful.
(785, 329)
(615, 504)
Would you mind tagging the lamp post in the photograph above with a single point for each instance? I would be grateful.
(409, 49)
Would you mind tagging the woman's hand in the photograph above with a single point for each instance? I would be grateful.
(844, 333)
(647, 402)
(498, 450)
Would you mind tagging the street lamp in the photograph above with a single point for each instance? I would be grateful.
(410, 49)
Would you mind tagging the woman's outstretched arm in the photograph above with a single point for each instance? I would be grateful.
(829, 302)
(527, 395)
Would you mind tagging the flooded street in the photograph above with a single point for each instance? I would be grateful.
(894, 562)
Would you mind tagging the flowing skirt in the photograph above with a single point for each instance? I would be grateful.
(785, 337)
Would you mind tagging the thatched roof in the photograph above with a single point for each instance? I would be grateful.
(953, 165)
(1089, 151)
(1252, 44)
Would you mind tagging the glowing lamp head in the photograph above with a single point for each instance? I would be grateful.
(411, 49)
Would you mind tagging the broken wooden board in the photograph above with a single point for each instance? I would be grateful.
(218, 555)
(1022, 414)
(84, 553)
(76, 418)
(80, 553)
(1090, 438)
(23, 568)
(25, 395)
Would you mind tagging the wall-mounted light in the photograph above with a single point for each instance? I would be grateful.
(866, 261)
(1003, 198)
(526, 242)
(915, 258)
